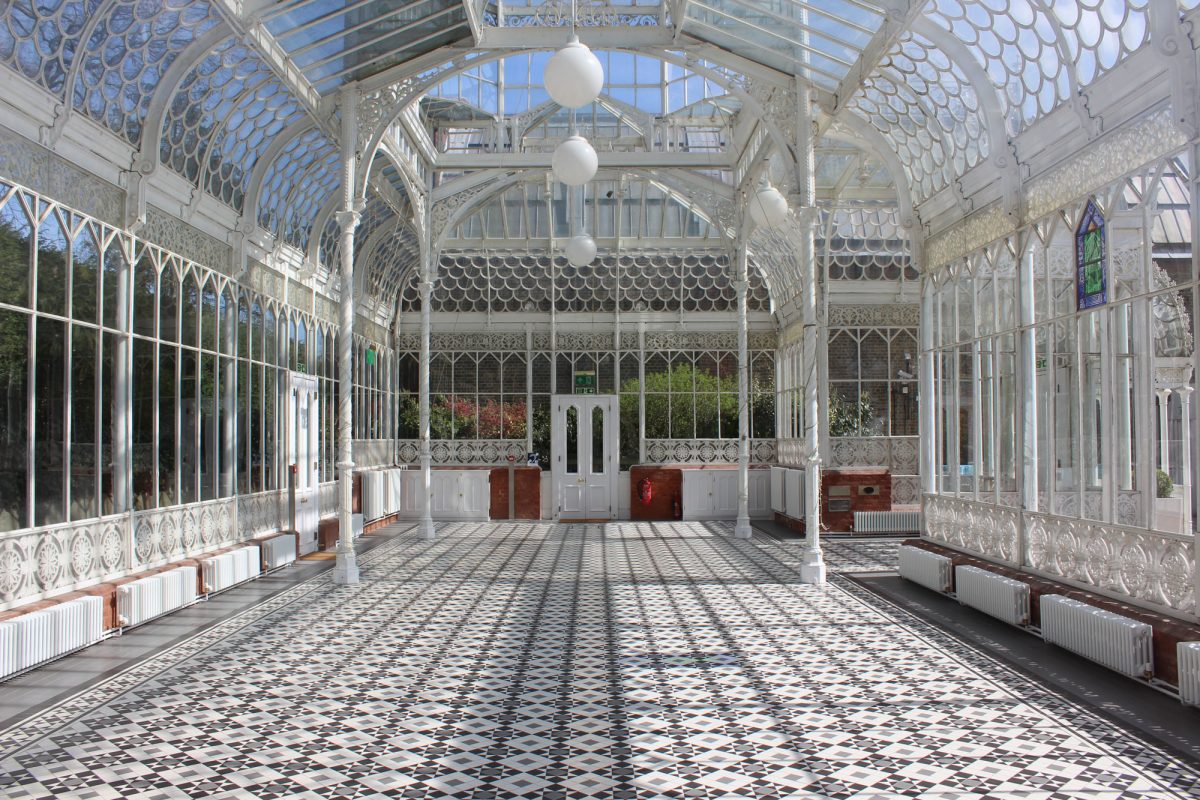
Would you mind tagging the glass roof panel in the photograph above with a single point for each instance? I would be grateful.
(923, 104)
(515, 85)
(203, 100)
(820, 39)
(258, 117)
(127, 55)
(40, 40)
(300, 179)
(335, 42)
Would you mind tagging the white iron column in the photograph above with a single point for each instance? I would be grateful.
(928, 396)
(1185, 410)
(1027, 374)
(641, 391)
(1164, 430)
(426, 527)
(122, 401)
(346, 567)
(812, 566)
(742, 529)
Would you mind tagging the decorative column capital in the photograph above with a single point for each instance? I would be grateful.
(805, 215)
(741, 287)
(347, 220)
(425, 287)
(1163, 393)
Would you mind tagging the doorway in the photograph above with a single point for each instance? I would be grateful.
(583, 448)
(303, 457)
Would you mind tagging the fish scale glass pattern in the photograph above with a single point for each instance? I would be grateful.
(208, 94)
(127, 56)
(298, 181)
(926, 108)
(40, 40)
(256, 118)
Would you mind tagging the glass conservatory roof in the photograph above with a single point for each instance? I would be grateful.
(239, 97)
(817, 39)
(339, 42)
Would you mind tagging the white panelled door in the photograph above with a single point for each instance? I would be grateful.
(303, 456)
(584, 452)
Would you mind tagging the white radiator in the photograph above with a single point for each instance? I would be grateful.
(1188, 654)
(887, 521)
(778, 502)
(998, 595)
(793, 494)
(153, 596)
(232, 568)
(279, 551)
(8, 648)
(78, 623)
(931, 570)
(39, 636)
(1117, 642)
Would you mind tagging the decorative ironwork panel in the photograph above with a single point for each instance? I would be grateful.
(261, 513)
(1151, 567)
(167, 534)
(188, 241)
(41, 561)
(706, 451)
(41, 170)
(470, 452)
(989, 531)
(891, 315)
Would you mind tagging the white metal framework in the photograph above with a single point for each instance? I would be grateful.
(200, 199)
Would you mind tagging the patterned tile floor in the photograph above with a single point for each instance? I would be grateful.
(570, 661)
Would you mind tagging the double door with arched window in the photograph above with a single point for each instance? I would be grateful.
(584, 456)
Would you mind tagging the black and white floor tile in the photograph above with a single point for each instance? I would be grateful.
(573, 661)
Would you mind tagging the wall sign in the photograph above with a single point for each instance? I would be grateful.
(585, 382)
(1091, 264)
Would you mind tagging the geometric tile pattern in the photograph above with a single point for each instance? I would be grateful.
(533, 660)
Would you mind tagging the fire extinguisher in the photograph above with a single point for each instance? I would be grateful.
(645, 491)
(676, 508)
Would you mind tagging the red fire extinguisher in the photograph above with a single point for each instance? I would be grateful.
(645, 491)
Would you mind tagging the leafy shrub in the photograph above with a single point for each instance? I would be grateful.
(1165, 485)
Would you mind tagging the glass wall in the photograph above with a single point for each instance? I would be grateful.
(1108, 363)
(688, 394)
(120, 358)
(872, 381)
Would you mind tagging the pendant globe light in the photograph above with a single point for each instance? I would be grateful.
(573, 75)
(580, 250)
(768, 207)
(574, 161)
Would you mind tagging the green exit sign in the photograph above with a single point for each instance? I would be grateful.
(585, 382)
(1041, 362)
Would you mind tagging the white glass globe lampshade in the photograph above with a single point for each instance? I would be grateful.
(768, 207)
(581, 250)
(573, 75)
(574, 161)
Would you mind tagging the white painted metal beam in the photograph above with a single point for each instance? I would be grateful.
(457, 161)
(899, 18)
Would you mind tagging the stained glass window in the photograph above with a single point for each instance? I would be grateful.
(1091, 277)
